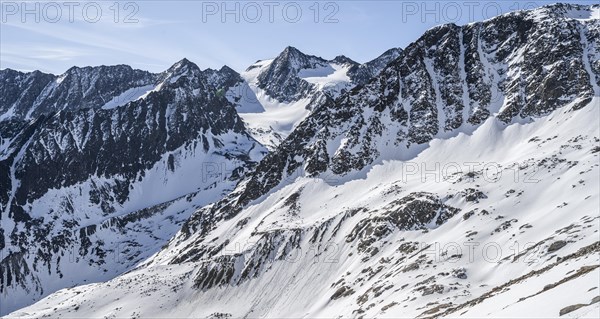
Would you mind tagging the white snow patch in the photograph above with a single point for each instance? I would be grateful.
(332, 77)
(593, 13)
(129, 95)
(542, 199)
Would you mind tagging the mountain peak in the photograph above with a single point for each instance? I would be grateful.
(342, 59)
(392, 51)
(183, 64)
(182, 67)
(297, 58)
(10, 71)
(226, 69)
(291, 50)
(292, 54)
(225, 77)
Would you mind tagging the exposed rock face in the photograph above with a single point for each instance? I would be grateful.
(452, 78)
(70, 165)
(361, 74)
(471, 73)
(282, 80)
(29, 95)
(556, 246)
(67, 147)
(501, 71)
(277, 94)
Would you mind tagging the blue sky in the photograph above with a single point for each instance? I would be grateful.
(152, 35)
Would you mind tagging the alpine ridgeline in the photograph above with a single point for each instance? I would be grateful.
(461, 181)
(100, 166)
(277, 94)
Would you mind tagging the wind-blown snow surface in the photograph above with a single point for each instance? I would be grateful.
(279, 93)
(92, 192)
(268, 119)
(373, 233)
(132, 94)
(112, 119)
(516, 231)
(333, 77)
(157, 206)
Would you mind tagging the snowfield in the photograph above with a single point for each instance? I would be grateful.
(458, 177)
(332, 78)
(269, 120)
(522, 231)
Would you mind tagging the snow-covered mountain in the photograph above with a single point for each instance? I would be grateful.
(27, 96)
(462, 181)
(105, 166)
(277, 94)
(390, 244)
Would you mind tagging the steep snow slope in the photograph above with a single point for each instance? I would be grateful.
(87, 193)
(333, 77)
(461, 181)
(398, 242)
(279, 93)
(269, 120)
